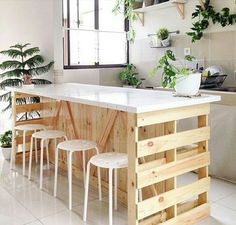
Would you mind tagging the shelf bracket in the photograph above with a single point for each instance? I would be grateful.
(140, 17)
(180, 7)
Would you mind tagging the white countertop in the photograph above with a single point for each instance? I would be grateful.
(125, 99)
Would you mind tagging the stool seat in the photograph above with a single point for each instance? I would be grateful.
(110, 160)
(29, 127)
(49, 134)
(77, 145)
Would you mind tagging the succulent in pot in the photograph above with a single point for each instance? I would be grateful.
(184, 80)
(164, 35)
(128, 76)
(6, 144)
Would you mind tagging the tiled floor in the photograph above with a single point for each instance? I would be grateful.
(23, 203)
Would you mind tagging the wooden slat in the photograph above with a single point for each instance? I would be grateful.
(187, 151)
(186, 206)
(153, 220)
(23, 95)
(167, 142)
(156, 204)
(132, 137)
(32, 107)
(169, 170)
(151, 164)
(145, 119)
(191, 217)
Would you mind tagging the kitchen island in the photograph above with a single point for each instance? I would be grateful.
(143, 124)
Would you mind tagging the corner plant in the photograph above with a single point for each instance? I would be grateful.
(170, 71)
(24, 66)
(126, 7)
(207, 14)
(128, 75)
(6, 139)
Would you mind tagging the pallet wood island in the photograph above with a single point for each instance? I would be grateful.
(142, 123)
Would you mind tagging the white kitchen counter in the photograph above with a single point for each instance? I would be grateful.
(125, 99)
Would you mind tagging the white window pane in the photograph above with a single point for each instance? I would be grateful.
(112, 48)
(107, 19)
(86, 14)
(82, 47)
(73, 14)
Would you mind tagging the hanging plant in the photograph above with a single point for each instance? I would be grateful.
(207, 14)
(126, 7)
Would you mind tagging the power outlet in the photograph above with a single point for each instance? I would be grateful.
(187, 51)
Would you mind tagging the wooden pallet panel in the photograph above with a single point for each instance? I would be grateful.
(164, 172)
(162, 116)
(167, 142)
(170, 198)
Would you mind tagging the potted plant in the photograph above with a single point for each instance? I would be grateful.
(23, 67)
(184, 80)
(128, 76)
(164, 35)
(6, 144)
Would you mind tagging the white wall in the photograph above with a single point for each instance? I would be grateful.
(27, 21)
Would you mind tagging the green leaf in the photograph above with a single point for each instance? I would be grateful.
(40, 81)
(31, 51)
(10, 83)
(40, 70)
(13, 73)
(13, 53)
(36, 60)
(10, 64)
(20, 46)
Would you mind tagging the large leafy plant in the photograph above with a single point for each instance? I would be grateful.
(207, 14)
(6, 139)
(170, 71)
(24, 62)
(128, 75)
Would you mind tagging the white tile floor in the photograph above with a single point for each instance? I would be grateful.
(23, 203)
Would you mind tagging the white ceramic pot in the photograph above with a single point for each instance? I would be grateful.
(166, 42)
(188, 85)
(6, 153)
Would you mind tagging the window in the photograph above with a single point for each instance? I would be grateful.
(94, 36)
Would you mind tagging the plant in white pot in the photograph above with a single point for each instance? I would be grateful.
(6, 144)
(184, 80)
(164, 36)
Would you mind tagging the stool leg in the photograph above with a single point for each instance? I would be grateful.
(84, 167)
(13, 150)
(24, 153)
(41, 166)
(30, 159)
(115, 181)
(70, 180)
(110, 197)
(86, 192)
(56, 172)
(47, 152)
(99, 183)
(35, 149)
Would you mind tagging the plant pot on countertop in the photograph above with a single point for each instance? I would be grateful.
(188, 85)
(148, 2)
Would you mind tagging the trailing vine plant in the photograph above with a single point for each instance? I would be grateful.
(126, 7)
(207, 14)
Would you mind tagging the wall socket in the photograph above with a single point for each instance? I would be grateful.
(187, 51)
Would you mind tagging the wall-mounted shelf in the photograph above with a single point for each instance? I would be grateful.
(178, 3)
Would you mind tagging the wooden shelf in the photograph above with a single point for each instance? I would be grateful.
(178, 3)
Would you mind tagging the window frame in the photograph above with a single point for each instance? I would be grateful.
(96, 27)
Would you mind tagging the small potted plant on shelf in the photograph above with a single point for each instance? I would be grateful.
(164, 35)
(128, 76)
(6, 144)
(184, 80)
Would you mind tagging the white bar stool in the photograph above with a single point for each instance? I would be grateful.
(70, 147)
(44, 136)
(109, 161)
(25, 128)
